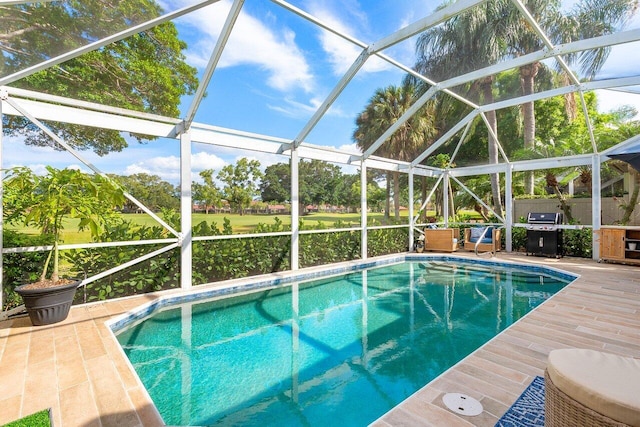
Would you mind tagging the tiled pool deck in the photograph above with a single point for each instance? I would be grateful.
(77, 368)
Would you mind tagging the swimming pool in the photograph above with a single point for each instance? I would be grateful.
(343, 349)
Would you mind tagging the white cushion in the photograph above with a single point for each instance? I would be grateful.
(607, 383)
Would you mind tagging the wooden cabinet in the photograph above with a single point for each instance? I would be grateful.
(441, 239)
(620, 245)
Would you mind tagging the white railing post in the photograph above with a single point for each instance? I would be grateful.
(3, 94)
(186, 249)
(295, 210)
(596, 206)
(411, 221)
(508, 206)
(364, 235)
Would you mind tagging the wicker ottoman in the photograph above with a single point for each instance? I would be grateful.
(591, 388)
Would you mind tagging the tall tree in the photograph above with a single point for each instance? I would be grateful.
(276, 183)
(589, 18)
(385, 107)
(151, 190)
(460, 45)
(207, 193)
(144, 72)
(240, 183)
(319, 181)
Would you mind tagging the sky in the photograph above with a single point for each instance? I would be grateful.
(276, 70)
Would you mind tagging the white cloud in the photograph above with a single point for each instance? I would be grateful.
(202, 160)
(300, 110)
(609, 100)
(251, 42)
(341, 52)
(168, 167)
(350, 148)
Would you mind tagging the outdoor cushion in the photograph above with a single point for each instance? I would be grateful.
(476, 233)
(604, 382)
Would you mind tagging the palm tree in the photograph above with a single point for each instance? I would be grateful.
(462, 44)
(385, 107)
(590, 18)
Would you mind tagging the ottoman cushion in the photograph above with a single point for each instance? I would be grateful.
(606, 383)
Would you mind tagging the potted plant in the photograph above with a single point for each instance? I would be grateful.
(45, 202)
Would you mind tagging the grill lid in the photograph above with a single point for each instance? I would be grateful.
(544, 218)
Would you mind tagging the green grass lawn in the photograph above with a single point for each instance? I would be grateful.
(240, 223)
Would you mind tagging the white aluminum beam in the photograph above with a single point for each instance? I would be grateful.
(551, 163)
(479, 170)
(3, 96)
(411, 202)
(86, 105)
(364, 247)
(236, 7)
(295, 211)
(328, 155)
(79, 116)
(445, 198)
(596, 206)
(231, 138)
(103, 42)
(14, 2)
(528, 98)
(508, 207)
(186, 207)
(425, 23)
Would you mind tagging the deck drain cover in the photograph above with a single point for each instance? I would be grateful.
(462, 404)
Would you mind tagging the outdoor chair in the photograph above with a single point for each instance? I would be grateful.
(591, 388)
(489, 243)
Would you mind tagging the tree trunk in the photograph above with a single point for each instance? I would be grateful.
(396, 195)
(528, 74)
(387, 203)
(493, 146)
(423, 195)
(452, 207)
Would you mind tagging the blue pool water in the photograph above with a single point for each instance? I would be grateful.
(341, 350)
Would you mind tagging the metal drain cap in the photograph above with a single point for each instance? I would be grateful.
(462, 404)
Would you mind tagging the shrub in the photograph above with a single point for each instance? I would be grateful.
(157, 273)
(20, 268)
(578, 243)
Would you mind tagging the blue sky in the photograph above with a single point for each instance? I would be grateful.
(276, 70)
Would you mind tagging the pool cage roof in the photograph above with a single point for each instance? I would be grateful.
(526, 32)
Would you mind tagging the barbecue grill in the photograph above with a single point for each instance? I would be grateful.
(544, 236)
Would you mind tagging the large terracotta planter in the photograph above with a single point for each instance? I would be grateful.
(48, 305)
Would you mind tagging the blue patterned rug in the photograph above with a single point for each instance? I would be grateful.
(528, 410)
